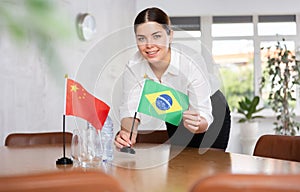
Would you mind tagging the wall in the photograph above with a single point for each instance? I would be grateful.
(32, 94)
(220, 7)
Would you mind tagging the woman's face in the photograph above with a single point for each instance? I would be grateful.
(153, 42)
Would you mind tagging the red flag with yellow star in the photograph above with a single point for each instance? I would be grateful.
(81, 103)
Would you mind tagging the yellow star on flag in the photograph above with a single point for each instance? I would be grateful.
(88, 107)
(74, 88)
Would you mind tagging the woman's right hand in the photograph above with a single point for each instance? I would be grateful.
(122, 139)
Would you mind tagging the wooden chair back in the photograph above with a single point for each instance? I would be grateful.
(61, 181)
(279, 147)
(29, 139)
(246, 182)
(150, 136)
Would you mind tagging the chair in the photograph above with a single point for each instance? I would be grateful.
(150, 136)
(61, 181)
(279, 147)
(246, 182)
(29, 139)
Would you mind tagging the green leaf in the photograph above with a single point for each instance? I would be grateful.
(248, 108)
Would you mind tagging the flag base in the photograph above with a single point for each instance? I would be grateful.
(64, 161)
(128, 150)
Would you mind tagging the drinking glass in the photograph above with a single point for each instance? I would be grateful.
(86, 148)
(75, 147)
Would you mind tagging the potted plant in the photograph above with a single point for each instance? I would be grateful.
(283, 72)
(249, 126)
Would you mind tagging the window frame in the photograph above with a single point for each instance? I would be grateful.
(207, 39)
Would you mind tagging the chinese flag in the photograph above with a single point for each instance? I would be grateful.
(81, 103)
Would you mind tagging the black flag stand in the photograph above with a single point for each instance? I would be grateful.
(64, 160)
(129, 149)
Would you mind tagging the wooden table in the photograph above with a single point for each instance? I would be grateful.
(153, 167)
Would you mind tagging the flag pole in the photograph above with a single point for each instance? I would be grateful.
(132, 127)
(129, 149)
(65, 93)
(64, 135)
(64, 160)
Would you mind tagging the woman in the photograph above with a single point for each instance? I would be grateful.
(161, 62)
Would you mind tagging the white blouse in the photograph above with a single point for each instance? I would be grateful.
(184, 74)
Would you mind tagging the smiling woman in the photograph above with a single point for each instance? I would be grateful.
(174, 66)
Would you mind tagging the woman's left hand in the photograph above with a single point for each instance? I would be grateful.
(194, 122)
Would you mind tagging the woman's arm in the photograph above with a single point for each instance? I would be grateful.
(199, 116)
(130, 99)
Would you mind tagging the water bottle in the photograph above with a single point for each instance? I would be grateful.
(107, 134)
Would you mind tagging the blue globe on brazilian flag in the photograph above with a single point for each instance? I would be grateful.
(163, 102)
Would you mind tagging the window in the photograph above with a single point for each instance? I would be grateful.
(186, 27)
(232, 26)
(235, 58)
(233, 50)
(271, 29)
(276, 25)
(264, 53)
(235, 44)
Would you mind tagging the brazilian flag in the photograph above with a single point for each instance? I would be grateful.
(163, 102)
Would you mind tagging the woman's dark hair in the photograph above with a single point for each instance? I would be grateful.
(153, 14)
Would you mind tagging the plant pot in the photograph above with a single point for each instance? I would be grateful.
(248, 136)
(249, 130)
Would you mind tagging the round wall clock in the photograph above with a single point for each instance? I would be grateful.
(86, 26)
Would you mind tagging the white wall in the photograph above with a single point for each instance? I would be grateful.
(31, 97)
(221, 7)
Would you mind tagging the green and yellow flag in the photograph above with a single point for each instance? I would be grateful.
(163, 102)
